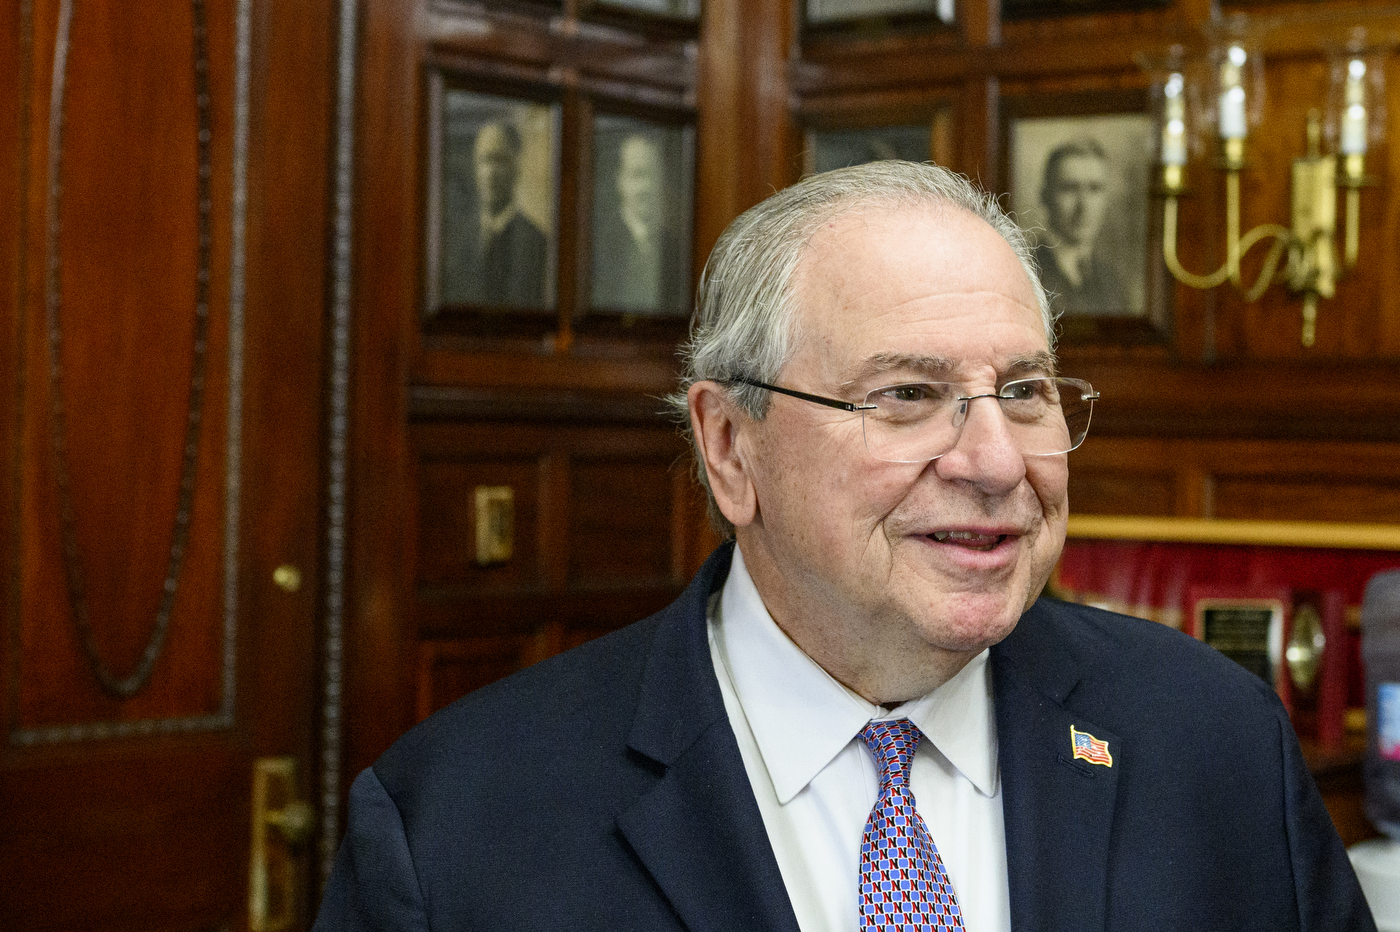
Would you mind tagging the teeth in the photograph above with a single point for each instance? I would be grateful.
(941, 536)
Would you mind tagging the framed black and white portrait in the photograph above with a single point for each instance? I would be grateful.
(643, 182)
(838, 148)
(843, 136)
(1079, 183)
(1044, 9)
(670, 9)
(829, 12)
(492, 211)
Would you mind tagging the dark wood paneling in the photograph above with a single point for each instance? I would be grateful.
(1317, 497)
(128, 287)
(380, 660)
(447, 529)
(1123, 491)
(620, 521)
(606, 532)
(448, 670)
(1267, 480)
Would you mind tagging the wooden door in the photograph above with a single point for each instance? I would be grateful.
(163, 228)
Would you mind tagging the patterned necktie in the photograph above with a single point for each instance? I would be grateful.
(903, 885)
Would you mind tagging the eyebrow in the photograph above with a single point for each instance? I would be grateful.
(942, 368)
(931, 367)
(1040, 362)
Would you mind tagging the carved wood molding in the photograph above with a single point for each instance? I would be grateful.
(224, 717)
(475, 404)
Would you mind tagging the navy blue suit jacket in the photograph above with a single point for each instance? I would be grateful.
(603, 789)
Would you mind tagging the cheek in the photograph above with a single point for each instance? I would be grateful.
(1049, 479)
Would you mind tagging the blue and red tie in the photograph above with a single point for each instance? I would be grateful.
(903, 885)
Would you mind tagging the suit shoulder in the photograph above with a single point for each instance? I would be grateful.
(583, 697)
(1137, 657)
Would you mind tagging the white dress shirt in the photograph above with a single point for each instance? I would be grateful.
(816, 782)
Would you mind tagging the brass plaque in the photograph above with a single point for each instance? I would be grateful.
(495, 523)
(1248, 631)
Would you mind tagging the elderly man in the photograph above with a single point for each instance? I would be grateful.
(860, 717)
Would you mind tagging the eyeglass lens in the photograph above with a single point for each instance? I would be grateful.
(919, 421)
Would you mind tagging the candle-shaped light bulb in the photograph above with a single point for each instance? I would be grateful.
(1353, 141)
(1174, 121)
(1233, 124)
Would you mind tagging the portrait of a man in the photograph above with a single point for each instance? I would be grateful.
(640, 217)
(1080, 185)
(1074, 194)
(497, 202)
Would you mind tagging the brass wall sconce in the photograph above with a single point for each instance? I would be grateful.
(1223, 88)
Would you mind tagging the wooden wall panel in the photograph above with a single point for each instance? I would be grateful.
(1317, 497)
(1120, 491)
(620, 522)
(448, 670)
(1215, 478)
(448, 526)
(607, 531)
(126, 326)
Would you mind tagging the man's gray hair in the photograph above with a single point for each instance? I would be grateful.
(745, 322)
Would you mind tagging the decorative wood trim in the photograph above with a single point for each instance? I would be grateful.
(224, 718)
(337, 439)
(13, 544)
(588, 55)
(1264, 400)
(1233, 531)
(456, 403)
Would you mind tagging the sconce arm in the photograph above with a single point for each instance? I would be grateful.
(1190, 279)
(1282, 236)
(1353, 241)
(1236, 248)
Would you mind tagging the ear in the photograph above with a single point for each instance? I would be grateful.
(717, 423)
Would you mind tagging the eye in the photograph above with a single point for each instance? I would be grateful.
(1023, 390)
(906, 393)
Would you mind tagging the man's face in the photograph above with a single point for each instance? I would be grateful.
(497, 166)
(890, 561)
(639, 179)
(1075, 196)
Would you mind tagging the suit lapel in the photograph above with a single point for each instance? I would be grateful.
(699, 831)
(1058, 810)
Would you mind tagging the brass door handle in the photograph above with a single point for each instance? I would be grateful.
(282, 824)
(294, 822)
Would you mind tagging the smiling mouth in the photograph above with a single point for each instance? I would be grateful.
(969, 539)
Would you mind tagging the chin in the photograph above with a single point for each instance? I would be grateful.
(971, 623)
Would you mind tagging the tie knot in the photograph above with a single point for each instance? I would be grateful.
(893, 743)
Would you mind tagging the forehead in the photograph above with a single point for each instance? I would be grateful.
(1080, 168)
(492, 140)
(638, 152)
(913, 282)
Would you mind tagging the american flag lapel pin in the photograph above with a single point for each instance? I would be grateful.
(1087, 747)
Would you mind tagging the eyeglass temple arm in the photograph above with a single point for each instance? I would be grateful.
(818, 399)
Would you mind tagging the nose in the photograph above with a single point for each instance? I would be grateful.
(986, 454)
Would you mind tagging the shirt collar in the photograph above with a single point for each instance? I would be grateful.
(640, 230)
(1071, 260)
(495, 224)
(802, 718)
